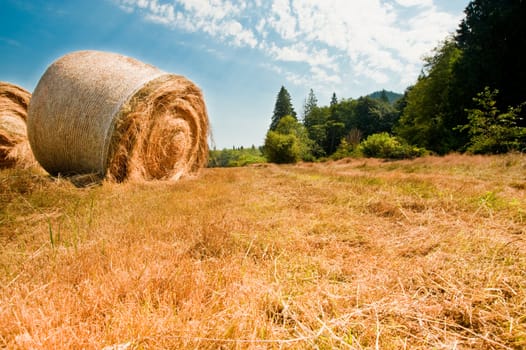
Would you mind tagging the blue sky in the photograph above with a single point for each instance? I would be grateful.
(239, 52)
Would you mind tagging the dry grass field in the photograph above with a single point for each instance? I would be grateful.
(354, 254)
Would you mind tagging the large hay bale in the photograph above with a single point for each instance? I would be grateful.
(102, 113)
(14, 145)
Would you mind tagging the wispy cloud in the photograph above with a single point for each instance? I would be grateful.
(216, 18)
(10, 42)
(334, 40)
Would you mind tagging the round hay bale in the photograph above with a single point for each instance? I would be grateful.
(103, 113)
(14, 145)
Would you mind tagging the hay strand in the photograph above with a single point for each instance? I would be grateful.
(102, 113)
(14, 145)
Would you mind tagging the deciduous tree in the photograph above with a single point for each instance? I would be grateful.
(429, 117)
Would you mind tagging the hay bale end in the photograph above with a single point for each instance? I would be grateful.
(103, 113)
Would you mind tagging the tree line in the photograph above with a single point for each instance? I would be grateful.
(469, 97)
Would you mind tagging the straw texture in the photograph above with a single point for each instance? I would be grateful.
(14, 146)
(102, 113)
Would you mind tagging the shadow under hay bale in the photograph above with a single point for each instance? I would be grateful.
(14, 145)
(102, 113)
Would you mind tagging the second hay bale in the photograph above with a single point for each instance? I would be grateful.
(108, 114)
(14, 146)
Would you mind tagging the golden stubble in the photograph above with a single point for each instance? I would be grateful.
(355, 254)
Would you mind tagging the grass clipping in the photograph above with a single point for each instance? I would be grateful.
(102, 113)
(14, 145)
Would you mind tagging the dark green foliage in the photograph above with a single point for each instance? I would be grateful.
(334, 127)
(490, 130)
(328, 126)
(492, 38)
(316, 124)
(383, 145)
(486, 52)
(372, 116)
(282, 108)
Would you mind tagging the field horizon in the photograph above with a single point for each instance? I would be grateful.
(349, 254)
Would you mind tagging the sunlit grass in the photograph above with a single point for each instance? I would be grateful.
(356, 254)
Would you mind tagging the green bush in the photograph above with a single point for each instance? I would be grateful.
(289, 143)
(383, 145)
(345, 150)
(282, 148)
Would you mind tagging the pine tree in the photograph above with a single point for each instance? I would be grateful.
(311, 102)
(334, 100)
(335, 127)
(314, 120)
(283, 107)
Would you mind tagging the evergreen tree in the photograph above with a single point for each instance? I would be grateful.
(335, 127)
(314, 120)
(311, 102)
(334, 100)
(282, 108)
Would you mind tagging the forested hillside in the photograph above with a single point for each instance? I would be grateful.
(388, 96)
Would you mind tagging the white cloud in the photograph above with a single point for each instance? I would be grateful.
(210, 9)
(240, 35)
(322, 75)
(409, 3)
(337, 40)
(299, 52)
(282, 20)
(216, 18)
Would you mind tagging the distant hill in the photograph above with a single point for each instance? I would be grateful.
(391, 96)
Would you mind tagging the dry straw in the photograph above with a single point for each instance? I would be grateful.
(14, 146)
(102, 113)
